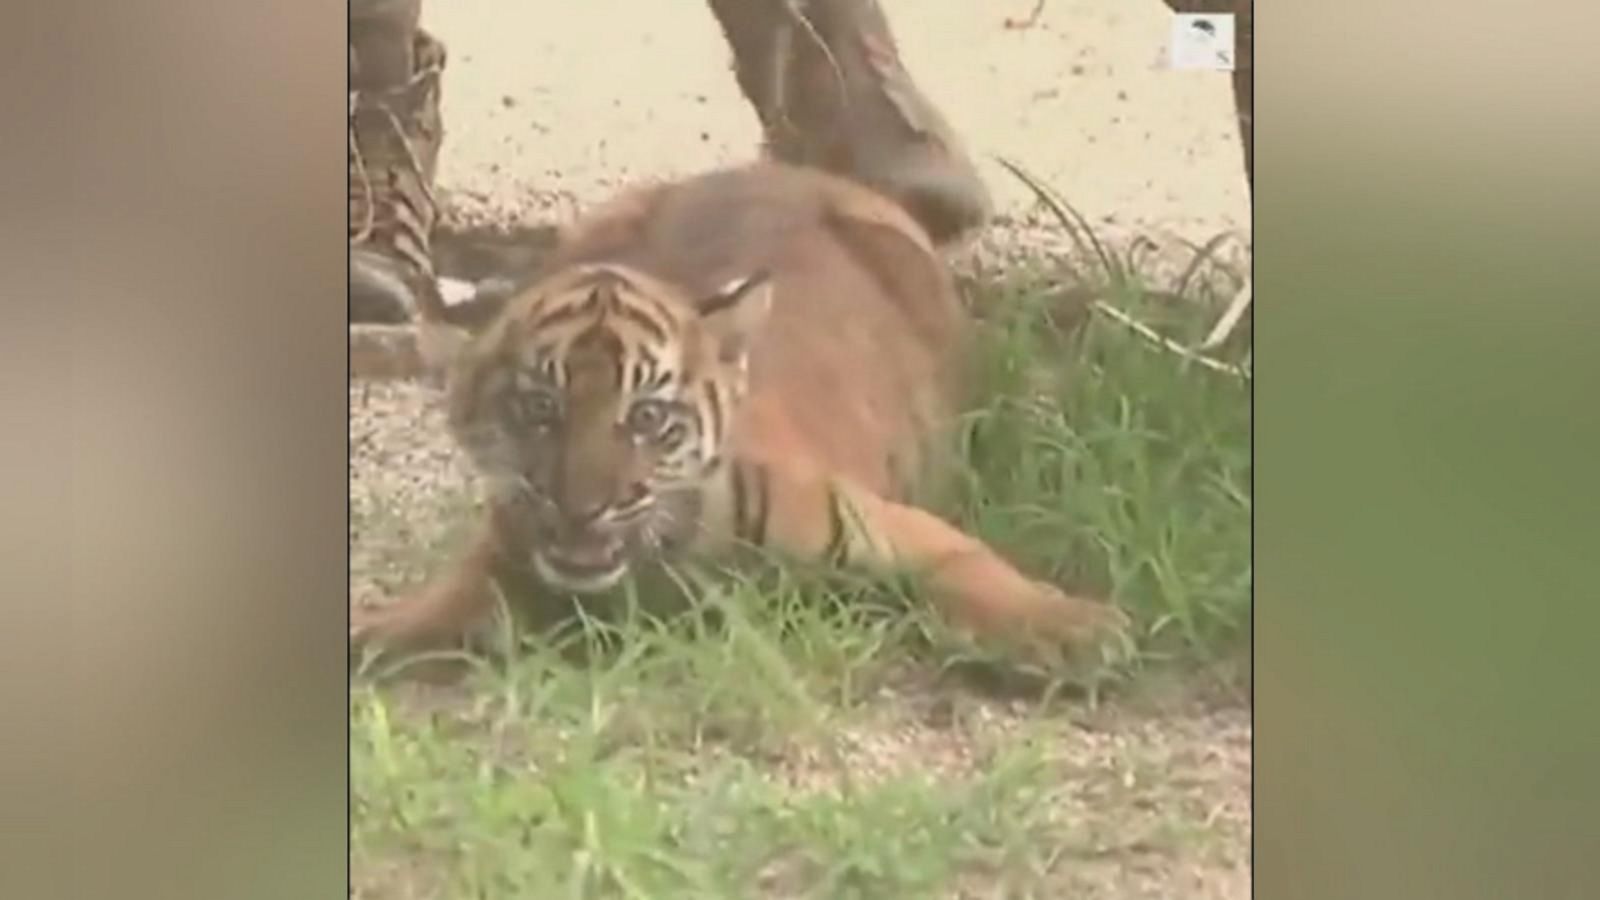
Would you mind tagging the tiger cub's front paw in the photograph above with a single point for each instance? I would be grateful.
(1079, 631)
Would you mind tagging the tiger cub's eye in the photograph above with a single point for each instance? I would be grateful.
(672, 438)
(646, 418)
(536, 409)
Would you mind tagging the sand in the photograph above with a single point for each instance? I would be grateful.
(549, 106)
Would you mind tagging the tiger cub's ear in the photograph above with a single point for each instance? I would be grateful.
(732, 315)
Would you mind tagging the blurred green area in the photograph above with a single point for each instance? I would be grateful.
(1427, 431)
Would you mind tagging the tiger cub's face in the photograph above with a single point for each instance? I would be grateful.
(596, 411)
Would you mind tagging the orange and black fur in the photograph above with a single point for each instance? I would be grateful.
(761, 355)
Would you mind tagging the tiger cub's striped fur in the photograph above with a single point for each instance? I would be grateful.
(763, 355)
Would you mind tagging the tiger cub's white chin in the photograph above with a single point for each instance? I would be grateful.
(579, 581)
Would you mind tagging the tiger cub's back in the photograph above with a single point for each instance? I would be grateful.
(860, 357)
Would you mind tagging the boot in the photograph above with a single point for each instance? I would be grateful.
(395, 133)
(827, 83)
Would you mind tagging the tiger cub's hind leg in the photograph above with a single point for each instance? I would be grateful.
(974, 587)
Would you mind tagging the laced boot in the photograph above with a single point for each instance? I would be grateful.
(827, 83)
(395, 131)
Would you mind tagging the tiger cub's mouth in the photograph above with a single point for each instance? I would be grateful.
(587, 566)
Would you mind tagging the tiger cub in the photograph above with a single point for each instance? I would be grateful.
(762, 355)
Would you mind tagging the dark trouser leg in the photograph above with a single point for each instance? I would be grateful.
(1244, 83)
(827, 83)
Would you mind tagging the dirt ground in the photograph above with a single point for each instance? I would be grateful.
(549, 106)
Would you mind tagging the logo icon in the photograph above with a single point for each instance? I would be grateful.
(1202, 41)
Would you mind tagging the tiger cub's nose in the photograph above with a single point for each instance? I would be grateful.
(577, 518)
(634, 499)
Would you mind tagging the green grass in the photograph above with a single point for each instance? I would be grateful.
(811, 742)
(1113, 465)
